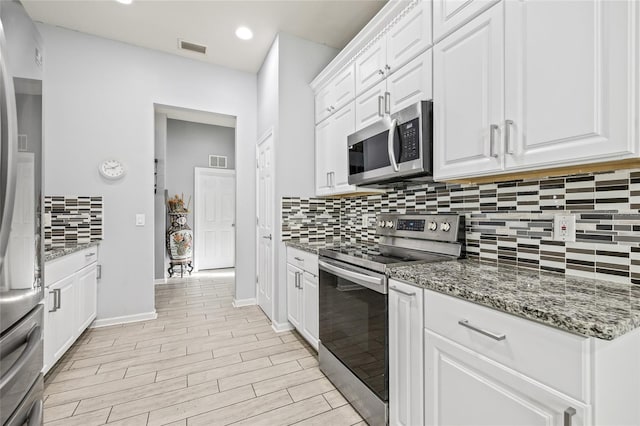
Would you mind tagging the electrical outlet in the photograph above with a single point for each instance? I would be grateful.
(47, 219)
(140, 219)
(365, 220)
(564, 227)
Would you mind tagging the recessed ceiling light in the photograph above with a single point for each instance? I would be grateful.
(244, 33)
(125, 1)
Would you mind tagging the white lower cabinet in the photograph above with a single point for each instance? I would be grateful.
(70, 302)
(406, 378)
(302, 294)
(465, 388)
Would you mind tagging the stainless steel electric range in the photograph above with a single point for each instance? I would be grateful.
(353, 347)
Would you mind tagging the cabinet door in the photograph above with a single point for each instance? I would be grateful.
(468, 98)
(568, 82)
(370, 106)
(323, 103)
(343, 88)
(310, 300)
(294, 276)
(465, 388)
(411, 83)
(323, 157)
(451, 14)
(370, 65)
(86, 297)
(409, 36)
(342, 125)
(60, 323)
(405, 355)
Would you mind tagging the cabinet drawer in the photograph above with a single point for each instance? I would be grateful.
(551, 356)
(62, 267)
(303, 260)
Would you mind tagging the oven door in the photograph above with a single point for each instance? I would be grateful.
(353, 321)
(394, 148)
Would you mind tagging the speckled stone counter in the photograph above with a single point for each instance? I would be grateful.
(588, 307)
(55, 253)
(313, 247)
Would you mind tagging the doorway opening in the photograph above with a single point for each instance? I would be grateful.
(195, 154)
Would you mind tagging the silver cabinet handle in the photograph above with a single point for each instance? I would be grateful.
(332, 108)
(396, 289)
(299, 259)
(465, 323)
(507, 136)
(267, 237)
(387, 102)
(300, 281)
(380, 102)
(492, 140)
(328, 182)
(58, 299)
(90, 254)
(328, 109)
(380, 72)
(392, 133)
(55, 300)
(387, 67)
(295, 280)
(568, 416)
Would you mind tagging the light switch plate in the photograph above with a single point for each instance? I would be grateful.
(564, 227)
(140, 219)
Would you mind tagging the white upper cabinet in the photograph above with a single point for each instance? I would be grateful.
(535, 84)
(323, 158)
(451, 14)
(468, 98)
(569, 82)
(406, 38)
(337, 93)
(408, 85)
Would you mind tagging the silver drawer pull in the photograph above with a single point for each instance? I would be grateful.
(402, 291)
(90, 254)
(568, 415)
(465, 323)
(299, 259)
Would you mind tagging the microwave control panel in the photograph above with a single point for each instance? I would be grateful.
(409, 140)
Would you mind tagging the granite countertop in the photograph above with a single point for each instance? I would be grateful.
(311, 247)
(588, 307)
(57, 252)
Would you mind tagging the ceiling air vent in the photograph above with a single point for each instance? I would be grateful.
(198, 48)
(218, 161)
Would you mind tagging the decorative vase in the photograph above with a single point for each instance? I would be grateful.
(179, 242)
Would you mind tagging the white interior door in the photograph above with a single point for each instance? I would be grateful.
(215, 212)
(265, 224)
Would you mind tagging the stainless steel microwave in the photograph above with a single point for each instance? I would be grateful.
(396, 149)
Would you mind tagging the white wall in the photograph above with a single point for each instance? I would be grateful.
(98, 103)
(286, 102)
(161, 260)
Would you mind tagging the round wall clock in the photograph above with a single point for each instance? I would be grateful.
(111, 169)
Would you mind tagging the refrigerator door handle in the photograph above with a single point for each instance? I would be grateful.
(8, 150)
(33, 343)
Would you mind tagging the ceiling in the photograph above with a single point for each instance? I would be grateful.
(158, 24)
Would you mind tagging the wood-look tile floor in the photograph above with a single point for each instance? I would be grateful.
(201, 362)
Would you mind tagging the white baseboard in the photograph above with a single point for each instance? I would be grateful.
(281, 327)
(160, 281)
(244, 302)
(124, 319)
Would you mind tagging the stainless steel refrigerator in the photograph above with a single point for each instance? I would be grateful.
(21, 238)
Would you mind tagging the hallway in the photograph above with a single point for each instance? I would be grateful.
(201, 362)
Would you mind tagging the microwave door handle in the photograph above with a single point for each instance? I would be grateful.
(392, 155)
(8, 150)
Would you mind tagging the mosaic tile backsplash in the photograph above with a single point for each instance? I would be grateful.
(73, 220)
(507, 223)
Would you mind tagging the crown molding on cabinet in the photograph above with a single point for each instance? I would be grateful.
(372, 32)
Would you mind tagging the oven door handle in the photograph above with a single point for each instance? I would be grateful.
(376, 284)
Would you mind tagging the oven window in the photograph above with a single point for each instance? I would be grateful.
(353, 326)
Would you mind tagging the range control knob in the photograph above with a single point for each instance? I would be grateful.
(389, 224)
(445, 226)
(381, 224)
(432, 226)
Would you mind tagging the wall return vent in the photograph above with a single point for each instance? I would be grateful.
(218, 161)
(193, 47)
